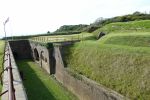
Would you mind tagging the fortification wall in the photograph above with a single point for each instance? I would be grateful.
(21, 49)
(24, 49)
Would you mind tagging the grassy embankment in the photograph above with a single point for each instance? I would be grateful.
(41, 86)
(119, 61)
(123, 27)
(2, 43)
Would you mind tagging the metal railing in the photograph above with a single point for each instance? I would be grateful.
(57, 38)
(10, 90)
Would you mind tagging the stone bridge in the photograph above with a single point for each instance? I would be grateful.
(43, 54)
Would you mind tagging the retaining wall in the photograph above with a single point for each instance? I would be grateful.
(20, 93)
(21, 49)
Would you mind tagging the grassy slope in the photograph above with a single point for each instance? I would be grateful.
(119, 60)
(41, 86)
(142, 41)
(1, 57)
(139, 39)
(133, 26)
(123, 69)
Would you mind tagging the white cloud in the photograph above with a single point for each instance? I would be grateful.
(38, 16)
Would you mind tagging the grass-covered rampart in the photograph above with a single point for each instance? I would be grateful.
(136, 41)
(120, 60)
(121, 68)
(132, 26)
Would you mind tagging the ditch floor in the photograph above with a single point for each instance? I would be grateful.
(39, 85)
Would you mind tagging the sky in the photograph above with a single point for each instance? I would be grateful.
(39, 16)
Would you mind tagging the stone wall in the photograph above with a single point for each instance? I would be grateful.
(21, 49)
(24, 49)
(83, 88)
(20, 93)
(43, 56)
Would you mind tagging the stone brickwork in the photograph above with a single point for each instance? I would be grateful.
(21, 49)
(24, 49)
(43, 56)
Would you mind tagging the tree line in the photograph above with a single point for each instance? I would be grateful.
(126, 18)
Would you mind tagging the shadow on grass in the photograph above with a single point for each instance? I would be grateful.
(35, 88)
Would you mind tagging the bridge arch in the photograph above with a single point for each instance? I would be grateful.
(36, 54)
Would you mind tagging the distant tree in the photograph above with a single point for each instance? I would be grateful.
(91, 29)
(48, 32)
(137, 13)
(99, 22)
(71, 28)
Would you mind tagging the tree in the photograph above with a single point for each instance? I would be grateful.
(137, 13)
(48, 32)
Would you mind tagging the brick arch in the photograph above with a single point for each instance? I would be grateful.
(36, 54)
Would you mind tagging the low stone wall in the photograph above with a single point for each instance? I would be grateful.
(82, 87)
(18, 84)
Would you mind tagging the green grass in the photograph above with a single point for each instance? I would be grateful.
(124, 27)
(124, 69)
(2, 43)
(41, 86)
(136, 41)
